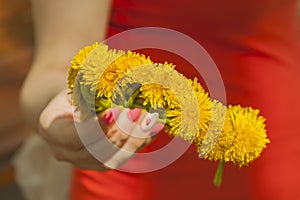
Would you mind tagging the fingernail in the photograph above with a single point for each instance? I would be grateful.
(116, 112)
(157, 127)
(149, 121)
(111, 120)
(111, 115)
(134, 114)
(107, 117)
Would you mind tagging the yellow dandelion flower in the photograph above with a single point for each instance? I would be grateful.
(77, 62)
(205, 106)
(117, 70)
(171, 100)
(179, 125)
(174, 117)
(159, 90)
(243, 137)
(152, 93)
(153, 73)
(87, 66)
(158, 96)
(250, 138)
(97, 64)
(206, 140)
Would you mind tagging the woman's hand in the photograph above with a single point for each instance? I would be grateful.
(125, 132)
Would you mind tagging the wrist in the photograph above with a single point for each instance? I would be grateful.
(40, 86)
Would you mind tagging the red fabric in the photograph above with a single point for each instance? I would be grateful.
(108, 185)
(256, 47)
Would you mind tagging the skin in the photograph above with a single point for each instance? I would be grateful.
(57, 127)
(61, 29)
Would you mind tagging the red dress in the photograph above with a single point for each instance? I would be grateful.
(256, 47)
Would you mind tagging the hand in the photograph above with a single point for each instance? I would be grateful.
(126, 131)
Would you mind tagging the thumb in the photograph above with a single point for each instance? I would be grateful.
(56, 123)
(59, 107)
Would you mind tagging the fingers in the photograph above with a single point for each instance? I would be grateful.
(124, 126)
(134, 114)
(156, 129)
(56, 124)
(144, 127)
(58, 107)
(80, 158)
(140, 135)
(125, 122)
(131, 146)
(85, 144)
(111, 115)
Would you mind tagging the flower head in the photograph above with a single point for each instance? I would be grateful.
(116, 70)
(84, 74)
(77, 62)
(205, 107)
(243, 137)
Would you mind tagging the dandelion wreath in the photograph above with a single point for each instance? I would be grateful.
(240, 140)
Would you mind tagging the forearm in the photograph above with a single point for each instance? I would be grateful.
(61, 28)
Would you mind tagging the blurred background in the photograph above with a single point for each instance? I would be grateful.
(16, 49)
(15, 59)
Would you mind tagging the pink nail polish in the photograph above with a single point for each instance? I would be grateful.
(149, 121)
(115, 113)
(134, 114)
(107, 117)
(111, 120)
(157, 128)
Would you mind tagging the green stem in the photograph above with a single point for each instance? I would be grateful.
(219, 173)
(103, 104)
(133, 97)
(135, 105)
(163, 121)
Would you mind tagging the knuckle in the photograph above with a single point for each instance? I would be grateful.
(74, 147)
(113, 164)
(59, 156)
(135, 145)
